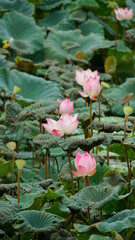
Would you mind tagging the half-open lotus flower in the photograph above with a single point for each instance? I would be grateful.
(66, 106)
(85, 165)
(124, 13)
(91, 88)
(81, 76)
(65, 125)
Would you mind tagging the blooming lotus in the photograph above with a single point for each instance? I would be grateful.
(83, 75)
(124, 14)
(91, 88)
(85, 165)
(65, 125)
(66, 106)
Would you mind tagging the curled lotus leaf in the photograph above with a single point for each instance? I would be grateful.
(71, 144)
(46, 141)
(37, 221)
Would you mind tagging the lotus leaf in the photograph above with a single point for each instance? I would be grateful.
(32, 88)
(21, 6)
(37, 221)
(27, 36)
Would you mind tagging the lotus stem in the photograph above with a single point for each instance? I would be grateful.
(125, 122)
(116, 36)
(4, 101)
(17, 146)
(53, 164)
(134, 128)
(69, 160)
(101, 219)
(87, 184)
(90, 111)
(78, 183)
(12, 98)
(19, 174)
(99, 107)
(13, 166)
(123, 31)
(49, 164)
(130, 176)
(39, 158)
(46, 155)
(108, 155)
(57, 164)
(126, 156)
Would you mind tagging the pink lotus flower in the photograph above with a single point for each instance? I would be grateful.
(124, 14)
(85, 164)
(66, 106)
(91, 88)
(83, 75)
(65, 125)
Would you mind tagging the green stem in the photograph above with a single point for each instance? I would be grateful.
(125, 122)
(123, 31)
(69, 160)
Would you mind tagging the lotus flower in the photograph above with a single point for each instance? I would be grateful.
(65, 125)
(91, 88)
(85, 165)
(124, 14)
(66, 106)
(83, 75)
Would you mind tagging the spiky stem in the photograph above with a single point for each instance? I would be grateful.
(69, 160)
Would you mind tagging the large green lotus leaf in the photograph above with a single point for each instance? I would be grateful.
(53, 18)
(79, 16)
(52, 4)
(88, 4)
(118, 93)
(91, 26)
(37, 221)
(4, 62)
(7, 211)
(59, 43)
(99, 237)
(27, 36)
(131, 4)
(33, 88)
(97, 196)
(21, 6)
(120, 221)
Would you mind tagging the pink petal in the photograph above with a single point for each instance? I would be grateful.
(57, 133)
(83, 94)
(77, 159)
(59, 100)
